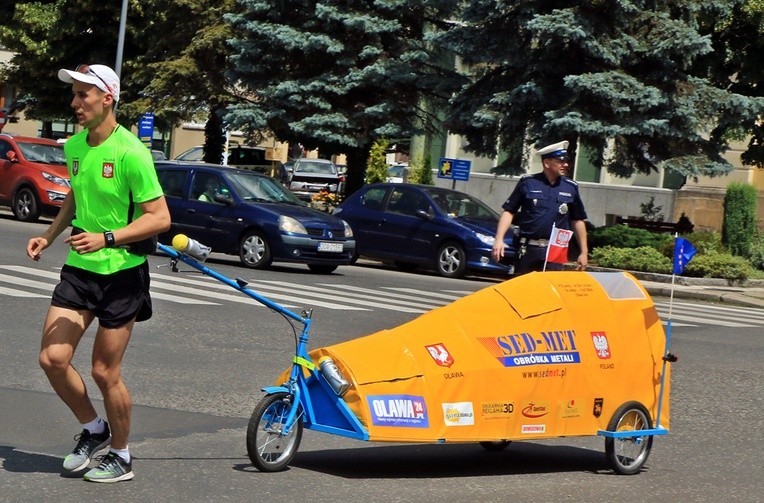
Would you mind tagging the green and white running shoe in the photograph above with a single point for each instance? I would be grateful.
(112, 468)
(87, 447)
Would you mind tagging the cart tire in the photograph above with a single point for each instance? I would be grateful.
(496, 445)
(268, 450)
(628, 455)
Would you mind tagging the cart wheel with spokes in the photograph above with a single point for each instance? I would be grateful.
(268, 449)
(496, 445)
(627, 455)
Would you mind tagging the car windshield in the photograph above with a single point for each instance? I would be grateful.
(395, 171)
(261, 188)
(459, 205)
(43, 153)
(322, 168)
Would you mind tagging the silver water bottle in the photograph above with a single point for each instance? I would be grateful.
(333, 375)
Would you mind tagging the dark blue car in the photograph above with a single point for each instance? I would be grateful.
(243, 213)
(422, 225)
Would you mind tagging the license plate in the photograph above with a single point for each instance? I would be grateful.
(330, 247)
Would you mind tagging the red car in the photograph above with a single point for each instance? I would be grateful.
(33, 176)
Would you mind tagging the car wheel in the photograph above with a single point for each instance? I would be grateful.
(255, 251)
(451, 261)
(26, 207)
(322, 269)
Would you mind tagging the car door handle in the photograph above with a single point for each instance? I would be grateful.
(190, 210)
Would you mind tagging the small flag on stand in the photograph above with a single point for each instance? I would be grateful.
(683, 253)
(557, 251)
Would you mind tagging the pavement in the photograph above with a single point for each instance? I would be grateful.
(747, 293)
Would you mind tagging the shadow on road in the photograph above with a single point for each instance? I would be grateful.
(444, 461)
(28, 462)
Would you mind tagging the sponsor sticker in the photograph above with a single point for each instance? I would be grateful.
(458, 414)
(408, 411)
(552, 347)
(569, 409)
(536, 409)
(597, 409)
(496, 410)
(533, 428)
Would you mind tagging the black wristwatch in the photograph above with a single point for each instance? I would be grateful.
(109, 237)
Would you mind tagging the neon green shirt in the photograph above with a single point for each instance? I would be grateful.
(102, 179)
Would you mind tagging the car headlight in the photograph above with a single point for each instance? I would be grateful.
(485, 238)
(348, 230)
(56, 179)
(289, 224)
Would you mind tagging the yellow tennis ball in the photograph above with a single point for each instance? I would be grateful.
(180, 242)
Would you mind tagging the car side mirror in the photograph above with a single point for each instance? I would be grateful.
(423, 214)
(223, 199)
(11, 156)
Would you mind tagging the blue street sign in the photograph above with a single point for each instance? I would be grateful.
(146, 128)
(454, 169)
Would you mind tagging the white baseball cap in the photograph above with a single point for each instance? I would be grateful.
(100, 76)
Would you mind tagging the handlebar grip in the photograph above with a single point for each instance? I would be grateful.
(191, 247)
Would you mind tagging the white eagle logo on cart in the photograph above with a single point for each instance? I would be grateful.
(601, 345)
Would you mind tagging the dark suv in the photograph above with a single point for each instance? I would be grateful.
(33, 176)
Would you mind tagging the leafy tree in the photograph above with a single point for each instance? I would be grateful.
(337, 75)
(737, 36)
(47, 35)
(605, 72)
(376, 167)
(183, 70)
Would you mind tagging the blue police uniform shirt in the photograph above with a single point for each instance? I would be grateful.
(537, 204)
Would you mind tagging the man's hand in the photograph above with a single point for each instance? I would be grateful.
(583, 261)
(35, 246)
(86, 242)
(497, 252)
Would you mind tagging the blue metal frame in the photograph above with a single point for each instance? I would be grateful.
(658, 430)
(322, 409)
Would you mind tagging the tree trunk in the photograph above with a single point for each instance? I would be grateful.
(356, 171)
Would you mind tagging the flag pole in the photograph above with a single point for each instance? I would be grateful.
(546, 256)
(666, 355)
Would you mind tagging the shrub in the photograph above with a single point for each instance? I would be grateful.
(756, 255)
(718, 265)
(642, 258)
(622, 236)
(739, 224)
(376, 167)
(421, 170)
(703, 241)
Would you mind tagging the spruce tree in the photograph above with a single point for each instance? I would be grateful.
(337, 75)
(607, 73)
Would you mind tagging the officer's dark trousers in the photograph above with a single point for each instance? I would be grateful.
(533, 260)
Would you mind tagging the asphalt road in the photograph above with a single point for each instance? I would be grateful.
(195, 371)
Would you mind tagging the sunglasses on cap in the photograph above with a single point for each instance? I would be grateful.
(86, 70)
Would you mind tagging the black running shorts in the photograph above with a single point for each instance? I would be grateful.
(114, 299)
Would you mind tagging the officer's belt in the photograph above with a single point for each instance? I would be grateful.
(534, 242)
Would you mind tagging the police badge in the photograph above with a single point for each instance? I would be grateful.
(564, 209)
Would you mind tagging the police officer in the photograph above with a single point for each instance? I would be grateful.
(541, 201)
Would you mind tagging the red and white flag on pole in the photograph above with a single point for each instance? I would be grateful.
(557, 251)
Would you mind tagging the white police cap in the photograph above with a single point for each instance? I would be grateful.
(556, 150)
